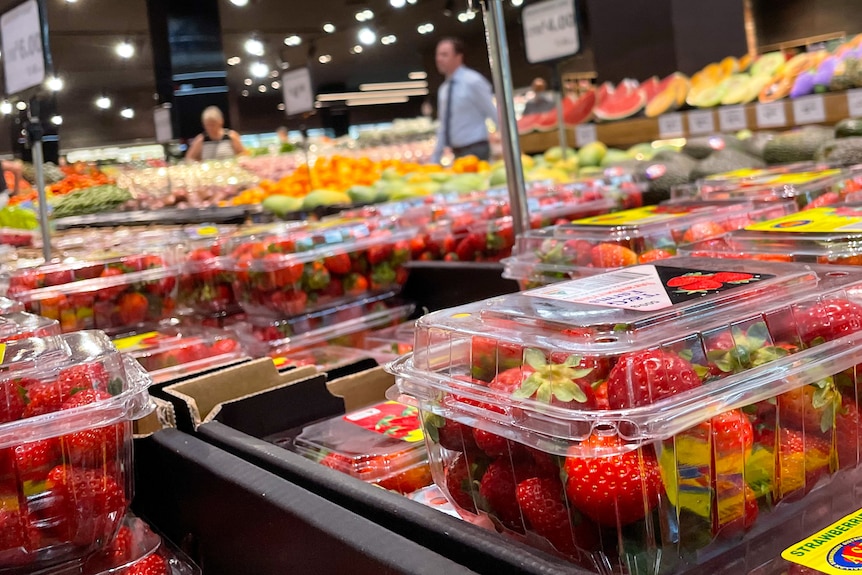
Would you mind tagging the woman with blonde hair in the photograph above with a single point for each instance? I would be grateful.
(216, 143)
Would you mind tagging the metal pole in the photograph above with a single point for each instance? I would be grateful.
(561, 125)
(501, 71)
(34, 134)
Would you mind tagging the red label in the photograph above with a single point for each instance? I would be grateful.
(392, 419)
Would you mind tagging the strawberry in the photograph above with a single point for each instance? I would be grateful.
(490, 357)
(499, 488)
(315, 276)
(470, 248)
(121, 548)
(732, 277)
(561, 384)
(109, 293)
(379, 254)
(290, 303)
(13, 531)
(654, 256)
(702, 231)
(44, 398)
(496, 446)
(740, 350)
(735, 508)
(541, 501)
(339, 264)
(283, 273)
(826, 199)
(644, 377)
(687, 279)
(224, 346)
(35, 459)
(701, 285)
(613, 256)
(12, 405)
(355, 284)
(92, 448)
(90, 376)
(459, 483)
(87, 504)
(828, 320)
(613, 490)
(133, 308)
(153, 564)
(410, 481)
(794, 463)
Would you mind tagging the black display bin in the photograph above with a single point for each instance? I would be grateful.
(234, 518)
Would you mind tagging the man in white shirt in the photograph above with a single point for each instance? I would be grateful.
(462, 125)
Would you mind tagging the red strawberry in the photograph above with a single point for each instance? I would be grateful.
(826, 199)
(120, 550)
(489, 357)
(541, 500)
(601, 392)
(564, 384)
(153, 564)
(470, 248)
(654, 256)
(828, 320)
(133, 308)
(35, 459)
(705, 284)
(92, 448)
(702, 231)
(732, 277)
(499, 488)
(86, 505)
(613, 490)
(459, 483)
(44, 398)
(13, 532)
(290, 303)
(497, 446)
(735, 508)
(355, 284)
(645, 377)
(613, 256)
(82, 377)
(732, 434)
(800, 461)
(338, 264)
(379, 254)
(682, 281)
(109, 293)
(455, 436)
(11, 401)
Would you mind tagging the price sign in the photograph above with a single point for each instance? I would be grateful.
(670, 126)
(809, 110)
(23, 50)
(701, 122)
(854, 103)
(732, 118)
(550, 30)
(298, 95)
(585, 134)
(163, 123)
(771, 115)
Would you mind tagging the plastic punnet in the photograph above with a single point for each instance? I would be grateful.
(807, 189)
(21, 325)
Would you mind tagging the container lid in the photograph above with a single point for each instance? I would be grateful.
(20, 325)
(657, 338)
(371, 444)
(755, 176)
(394, 338)
(324, 358)
(790, 185)
(39, 376)
(8, 305)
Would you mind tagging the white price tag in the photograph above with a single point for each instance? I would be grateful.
(298, 95)
(550, 30)
(670, 126)
(854, 103)
(585, 134)
(772, 115)
(732, 118)
(163, 123)
(809, 110)
(23, 57)
(701, 122)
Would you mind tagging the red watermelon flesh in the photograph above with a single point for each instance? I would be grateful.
(651, 87)
(579, 111)
(604, 91)
(626, 101)
(527, 123)
(547, 121)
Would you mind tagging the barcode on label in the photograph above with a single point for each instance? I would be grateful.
(611, 277)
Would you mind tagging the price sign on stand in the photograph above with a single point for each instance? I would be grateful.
(298, 94)
(701, 122)
(670, 126)
(163, 123)
(771, 115)
(585, 134)
(809, 110)
(732, 118)
(23, 47)
(550, 30)
(854, 103)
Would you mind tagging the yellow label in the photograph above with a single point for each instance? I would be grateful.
(133, 343)
(818, 220)
(633, 217)
(835, 550)
(801, 177)
(279, 361)
(207, 231)
(2, 352)
(737, 174)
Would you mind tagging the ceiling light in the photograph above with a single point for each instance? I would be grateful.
(273, 74)
(245, 93)
(248, 82)
(389, 39)
(239, 3)
(293, 40)
(517, 3)
(234, 61)
(397, 3)
(425, 28)
(367, 36)
(411, 1)
(125, 49)
(276, 85)
(103, 102)
(261, 88)
(356, 49)
(21, 106)
(281, 107)
(254, 47)
(417, 75)
(57, 120)
(364, 15)
(6, 107)
(259, 70)
(329, 27)
(466, 16)
(71, 1)
(127, 113)
(55, 84)
(325, 59)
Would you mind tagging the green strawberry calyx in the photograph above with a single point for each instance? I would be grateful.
(750, 350)
(553, 380)
(826, 397)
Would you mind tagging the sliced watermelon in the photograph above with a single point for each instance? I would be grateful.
(604, 91)
(579, 111)
(650, 87)
(527, 123)
(626, 100)
(547, 121)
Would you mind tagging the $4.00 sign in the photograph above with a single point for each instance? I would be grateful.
(550, 30)
(296, 86)
(23, 52)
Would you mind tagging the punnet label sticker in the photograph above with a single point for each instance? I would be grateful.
(818, 220)
(138, 342)
(836, 550)
(646, 288)
(391, 419)
(636, 216)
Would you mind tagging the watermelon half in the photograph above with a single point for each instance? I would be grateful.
(651, 86)
(579, 111)
(527, 123)
(626, 100)
(547, 121)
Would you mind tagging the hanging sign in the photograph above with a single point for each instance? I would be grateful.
(550, 30)
(23, 41)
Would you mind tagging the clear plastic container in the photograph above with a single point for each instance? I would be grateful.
(345, 325)
(316, 267)
(324, 358)
(653, 413)
(381, 444)
(396, 340)
(21, 325)
(808, 189)
(17, 238)
(107, 294)
(173, 351)
(10, 306)
(622, 239)
(831, 235)
(758, 176)
(205, 286)
(65, 446)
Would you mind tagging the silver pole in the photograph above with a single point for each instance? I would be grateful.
(39, 161)
(501, 71)
(561, 125)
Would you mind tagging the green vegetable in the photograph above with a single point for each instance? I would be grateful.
(93, 200)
